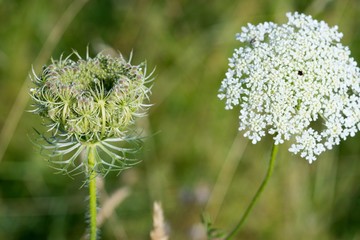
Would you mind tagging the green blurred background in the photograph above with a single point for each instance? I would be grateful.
(193, 159)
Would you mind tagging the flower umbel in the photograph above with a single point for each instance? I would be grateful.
(294, 81)
(90, 102)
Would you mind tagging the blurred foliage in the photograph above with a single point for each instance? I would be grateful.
(189, 134)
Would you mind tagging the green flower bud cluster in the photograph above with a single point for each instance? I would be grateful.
(93, 99)
(89, 106)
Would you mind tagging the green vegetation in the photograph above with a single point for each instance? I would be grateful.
(191, 146)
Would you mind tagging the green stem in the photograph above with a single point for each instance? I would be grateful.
(92, 192)
(257, 195)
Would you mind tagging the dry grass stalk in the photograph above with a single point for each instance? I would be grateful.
(111, 203)
(158, 232)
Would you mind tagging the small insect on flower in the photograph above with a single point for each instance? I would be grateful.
(278, 97)
(252, 42)
(91, 102)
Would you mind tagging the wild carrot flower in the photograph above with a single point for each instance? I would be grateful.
(90, 102)
(294, 81)
(88, 105)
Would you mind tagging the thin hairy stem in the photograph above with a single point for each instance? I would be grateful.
(257, 195)
(92, 192)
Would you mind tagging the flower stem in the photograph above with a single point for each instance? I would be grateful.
(92, 193)
(257, 195)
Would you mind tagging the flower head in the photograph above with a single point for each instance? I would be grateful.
(90, 101)
(294, 81)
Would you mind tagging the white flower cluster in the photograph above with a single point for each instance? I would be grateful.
(294, 81)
